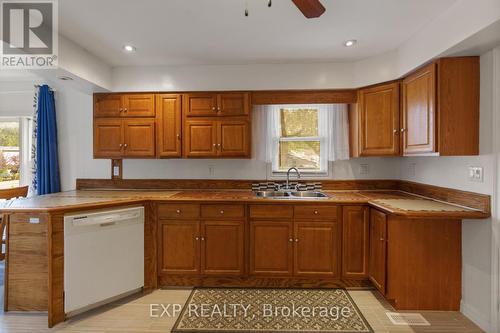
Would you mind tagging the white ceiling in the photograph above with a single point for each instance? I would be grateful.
(190, 32)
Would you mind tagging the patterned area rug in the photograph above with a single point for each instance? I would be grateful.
(270, 310)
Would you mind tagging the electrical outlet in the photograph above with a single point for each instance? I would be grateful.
(211, 170)
(364, 169)
(475, 174)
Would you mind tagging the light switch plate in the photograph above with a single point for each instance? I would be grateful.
(475, 174)
(211, 170)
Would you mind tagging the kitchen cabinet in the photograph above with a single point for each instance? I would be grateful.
(355, 240)
(437, 115)
(378, 249)
(211, 240)
(179, 247)
(169, 125)
(271, 248)
(379, 120)
(419, 121)
(114, 138)
(307, 245)
(316, 249)
(217, 104)
(217, 138)
(124, 105)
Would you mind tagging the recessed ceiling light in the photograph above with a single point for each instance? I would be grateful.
(65, 78)
(350, 42)
(129, 48)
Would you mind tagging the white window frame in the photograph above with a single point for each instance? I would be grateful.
(25, 142)
(323, 138)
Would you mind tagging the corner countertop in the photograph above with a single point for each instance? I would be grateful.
(390, 201)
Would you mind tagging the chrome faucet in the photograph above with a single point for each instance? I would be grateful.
(288, 176)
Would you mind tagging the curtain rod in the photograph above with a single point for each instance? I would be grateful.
(38, 86)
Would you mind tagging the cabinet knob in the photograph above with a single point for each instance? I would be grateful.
(222, 212)
(125, 145)
(395, 131)
(178, 136)
(121, 145)
(213, 108)
(382, 239)
(403, 129)
(316, 212)
(125, 110)
(214, 145)
(218, 145)
(202, 238)
(197, 238)
(120, 110)
(290, 240)
(218, 109)
(178, 211)
(296, 240)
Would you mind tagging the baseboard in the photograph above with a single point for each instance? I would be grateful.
(476, 316)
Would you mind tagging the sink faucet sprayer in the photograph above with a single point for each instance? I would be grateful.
(288, 176)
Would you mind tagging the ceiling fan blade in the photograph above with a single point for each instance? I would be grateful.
(310, 8)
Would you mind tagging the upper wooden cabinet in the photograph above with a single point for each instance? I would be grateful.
(124, 105)
(116, 138)
(440, 107)
(168, 125)
(438, 113)
(212, 138)
(217, 104)
(379, 120)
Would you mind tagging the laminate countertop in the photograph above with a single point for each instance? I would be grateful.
(390, 201)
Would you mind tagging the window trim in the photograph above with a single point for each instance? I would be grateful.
(323, 138)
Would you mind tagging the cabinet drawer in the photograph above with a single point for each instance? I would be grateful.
(268, 211)
(178, 211)
(223, 211)
(316, 212)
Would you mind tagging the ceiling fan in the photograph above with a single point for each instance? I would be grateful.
(310, 8)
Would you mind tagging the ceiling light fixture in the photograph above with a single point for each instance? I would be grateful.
(350, 42)
(129, 48)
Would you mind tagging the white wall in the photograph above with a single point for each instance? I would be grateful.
(476, 234)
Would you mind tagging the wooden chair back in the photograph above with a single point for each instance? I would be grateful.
(11, 193)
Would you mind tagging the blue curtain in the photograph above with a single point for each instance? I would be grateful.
(47, 164)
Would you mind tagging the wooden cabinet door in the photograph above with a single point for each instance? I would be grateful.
(108, 105)
(168, 123)
(201, 104)
(233, 138)
(316, 249)
(139, 137)
(233, 104)
(378, 246)
(271, 248)
(419, 119)
(178, 247)
(222, 250)
(200, 138)
(108, 138)
(379, 120)
(138, 105)
(355, 238)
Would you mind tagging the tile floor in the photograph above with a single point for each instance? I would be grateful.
(132, 315)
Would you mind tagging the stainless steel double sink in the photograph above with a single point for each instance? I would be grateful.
(291, 194)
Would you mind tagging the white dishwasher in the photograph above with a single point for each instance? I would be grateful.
(103, 257)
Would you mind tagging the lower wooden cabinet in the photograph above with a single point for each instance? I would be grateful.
(179, 247)
(222, 248)
(378, 249)
(355, 235)
(271, 247)
(316, 249)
